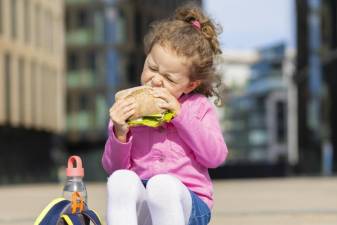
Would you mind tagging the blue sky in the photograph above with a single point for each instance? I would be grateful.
(250, 24)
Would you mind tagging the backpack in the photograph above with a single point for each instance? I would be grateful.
(64, 212)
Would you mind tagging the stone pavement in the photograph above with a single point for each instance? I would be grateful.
(283, 201)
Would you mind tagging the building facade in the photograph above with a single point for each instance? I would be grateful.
(259, 114)
(255, 118)
(31, 85)
(315, 77)
(235, 69)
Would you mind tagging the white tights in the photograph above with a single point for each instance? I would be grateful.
(165, 201)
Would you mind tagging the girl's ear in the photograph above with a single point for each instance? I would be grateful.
(192, 85)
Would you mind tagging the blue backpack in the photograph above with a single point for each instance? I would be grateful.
(64, 212)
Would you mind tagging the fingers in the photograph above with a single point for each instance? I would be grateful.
(120, 105)
(169, 103)
(121, 111)
(128, 114)
(128, 111)
(125, 103)
(164, 105)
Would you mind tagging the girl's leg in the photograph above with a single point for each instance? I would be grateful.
(126, 199)
(169, 200)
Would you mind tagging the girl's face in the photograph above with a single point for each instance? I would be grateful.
(164, 68)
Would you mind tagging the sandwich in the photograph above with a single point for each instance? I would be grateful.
(148, 112)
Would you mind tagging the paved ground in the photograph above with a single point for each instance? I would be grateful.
(289, 201)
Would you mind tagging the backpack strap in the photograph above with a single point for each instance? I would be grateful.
(51, 213)
(59, 210)
(92, 216)
(71, 219)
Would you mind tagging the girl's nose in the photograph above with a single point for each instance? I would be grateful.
(156, 82)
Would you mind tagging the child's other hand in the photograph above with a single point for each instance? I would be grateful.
(171, 103)
(119, 113)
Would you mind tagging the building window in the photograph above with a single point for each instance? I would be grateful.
(37, 25)
(21, 90)
(132, 69)
(34, 91)
(1, 16)
(84, 101)
(7, 87)
(72, 61)
(83, 20)
(69, 104)
(26, 21)
(45, 90)
(13, 19)
(121, 27)
(281, 122)
(91, 61)
(68, 20)
(50, 26)
(138, 34)
(46, 27)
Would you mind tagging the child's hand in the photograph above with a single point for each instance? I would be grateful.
(119, 113)
(171, 103)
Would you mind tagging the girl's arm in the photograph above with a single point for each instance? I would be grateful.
(116, 154)
(198, 125)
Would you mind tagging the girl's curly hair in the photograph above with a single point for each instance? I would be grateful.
(200, 45)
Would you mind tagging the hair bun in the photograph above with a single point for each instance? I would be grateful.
(189, 12)
(209, 30)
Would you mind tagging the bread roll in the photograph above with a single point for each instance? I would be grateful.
(147, 104)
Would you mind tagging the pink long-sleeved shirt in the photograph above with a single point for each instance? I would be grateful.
(185, 148)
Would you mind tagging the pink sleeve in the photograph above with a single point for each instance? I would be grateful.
(198, 125)
(116, 154)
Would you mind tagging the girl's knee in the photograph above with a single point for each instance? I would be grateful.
(163, 187)
(123, 183)
(122, 176)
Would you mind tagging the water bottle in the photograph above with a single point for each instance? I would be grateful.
(74, 182)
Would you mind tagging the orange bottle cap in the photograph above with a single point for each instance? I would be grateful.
(77, 171)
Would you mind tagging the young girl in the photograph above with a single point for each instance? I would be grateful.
(160, 175)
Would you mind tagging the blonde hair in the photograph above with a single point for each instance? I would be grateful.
(200, 45)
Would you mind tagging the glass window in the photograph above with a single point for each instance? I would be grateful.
(69, 104)
(8, 87)
(281, 122)
(138, 34)
(13, 19)
(91, 61)
(1, 20)
(21, 89)
(33, 94)
(84, 102)
(101, 111)
(26, 21)
(121, 24)
(45, 89)
(72, 61)
(46, 26)
(37, 25)
(51, 33)
(67, 20)
(98, 26)
(83, 20)
(132, 70)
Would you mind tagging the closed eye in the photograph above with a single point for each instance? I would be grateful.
(153, 68)
(168, 78)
